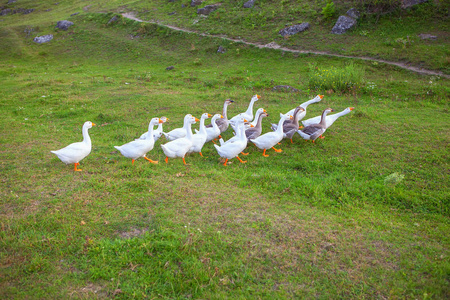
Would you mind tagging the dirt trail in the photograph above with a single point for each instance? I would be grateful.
(275, 46)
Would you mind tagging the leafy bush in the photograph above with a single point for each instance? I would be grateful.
(329, 10)
(347, 79)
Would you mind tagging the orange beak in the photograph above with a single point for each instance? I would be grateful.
(160, 121)
(258, 96)
(196, 120)
(209, 115)
(93, 124)
(321, 96)
(352, 108)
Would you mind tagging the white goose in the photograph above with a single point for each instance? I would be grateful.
(248, 115)
(231, 149)
(223, 122)
(179, 147)
(177, 132)
(139, 147)
(329, 120)
(157, 133)
(214, 131)
(252, 124)
(240, 123)
(199, 139)
(270, 139)
(73, 153)
(316, 99)
(290, 127)
(312, 132)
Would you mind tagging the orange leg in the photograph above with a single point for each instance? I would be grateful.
(292, 141)
(300, 127)
(264, 153)
(76, 169)
(277, 150)
(184, 161)
(243, 153)
(242, 161)
(321, 137)
(152, 161)
(167, 159)
(201, 154)
(132, 161)
(225, 163)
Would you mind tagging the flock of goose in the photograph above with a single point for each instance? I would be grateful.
(247, 128)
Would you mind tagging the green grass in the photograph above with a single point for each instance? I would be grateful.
(363, 213)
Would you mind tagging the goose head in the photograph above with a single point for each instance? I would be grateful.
(260, 111)
(215, 117)
(164, 119)
(205, 116)
(228, 101)
(256, 98)
(88, 124)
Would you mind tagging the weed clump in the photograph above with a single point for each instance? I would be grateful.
(348, 79)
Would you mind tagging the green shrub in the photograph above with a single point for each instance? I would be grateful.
(347, 79)
(329, 10)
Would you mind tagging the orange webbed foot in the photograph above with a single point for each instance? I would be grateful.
(152, 161)
(242, 161)
(76, 169)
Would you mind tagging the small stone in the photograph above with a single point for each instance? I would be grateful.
(207, 9)
(294, 29)
(43, 39)
(113, 19)
(170, 68)
(343, 24)
(196, 2)
(249, 4)
(64, 25)
(353, 13)
(221, 50)
(426, 36)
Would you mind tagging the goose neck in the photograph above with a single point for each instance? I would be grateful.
(86, 137)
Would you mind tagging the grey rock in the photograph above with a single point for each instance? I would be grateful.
(409, 3)
(207, 9)
(426, 36)
(43, 39)
(172, 13)
(343, 24)
(353, 13)
(249, 4)
(196, 2)
(11, 1)
(64, 25)
(74, 14)
(285, 88)
(170, 68)
(113, 19)
(6, 12)
(24, 11)
(294, 29)
(221, 50)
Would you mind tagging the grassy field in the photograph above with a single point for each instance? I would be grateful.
(363, 213)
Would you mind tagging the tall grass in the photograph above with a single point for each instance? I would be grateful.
(349, 78)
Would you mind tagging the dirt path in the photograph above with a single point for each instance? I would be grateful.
(275, 46)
